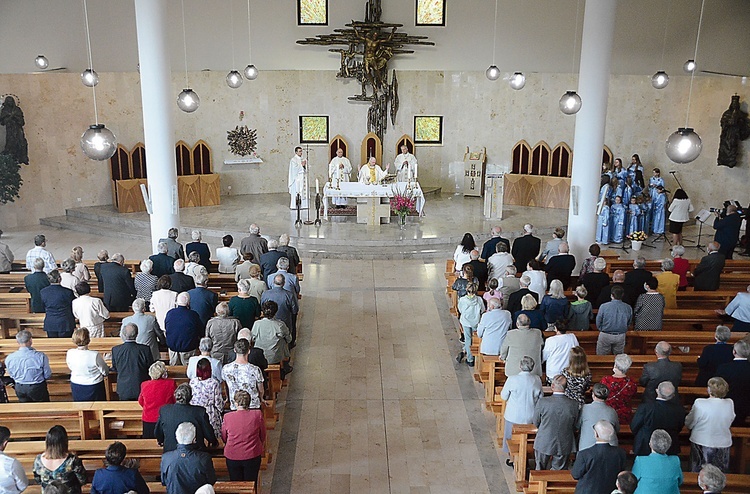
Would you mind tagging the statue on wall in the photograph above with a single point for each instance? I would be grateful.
(11, 117)
(735, 127)
(370, 45)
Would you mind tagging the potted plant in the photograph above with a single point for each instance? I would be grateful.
(637, 238)
(403, 203)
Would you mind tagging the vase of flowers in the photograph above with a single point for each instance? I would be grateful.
(402, 203)
(637, 238)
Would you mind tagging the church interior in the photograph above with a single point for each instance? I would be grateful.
(377, 401)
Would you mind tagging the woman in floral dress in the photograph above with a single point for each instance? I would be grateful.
(621, 388)
(207, 393)
(578, 375)
(58, 463)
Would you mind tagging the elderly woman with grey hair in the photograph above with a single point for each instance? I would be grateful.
(658, 472)
(709, 421)
(273, 337)
(67, 278)
(681, 266)
(520, 393)
(193, 265)
(205, 348)
(145, 282)
(668, 283)
(622, 389)
(222, 331)
(711, 479)
(157, 392)
(244, 306)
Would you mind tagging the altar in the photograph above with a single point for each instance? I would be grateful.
(373, 201)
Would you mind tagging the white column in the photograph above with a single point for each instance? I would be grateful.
(151, 18)
(593, 87)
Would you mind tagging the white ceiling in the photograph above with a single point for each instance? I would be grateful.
(533, 35)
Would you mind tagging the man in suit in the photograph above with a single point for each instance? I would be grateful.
(592, 413)
(291, 282)
(661, 370)
(508, 284)
(737, 374)
(707, 274)
(187, 469)
(180, 281)
(514, 301)
(287, 303)
(490, 246)
(174, 248)
(525, 248)
(480, 268)
(618, 279)
(635, 279)
(184, 329)
(728, 231)
(34, 283)
(662, 413)
(163, 264)
(202, 300)
(596, 468)
(171, 416)
(254, 243)
(119, 289)
(561, 266)
(201, 248)
(714, 355)
(711, 479)
(59, 321)
(269, 259)
(522, 342)
(131, 361)
(493, 327)
(555, 417)
(290, 252)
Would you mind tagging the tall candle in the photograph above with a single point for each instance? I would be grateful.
(317, 186)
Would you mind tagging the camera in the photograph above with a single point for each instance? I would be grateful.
(715, 210)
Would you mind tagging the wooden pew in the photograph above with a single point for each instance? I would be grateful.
(222, 487)
(731, 265)
(11, 323)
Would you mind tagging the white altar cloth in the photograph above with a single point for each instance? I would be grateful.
(356, 189)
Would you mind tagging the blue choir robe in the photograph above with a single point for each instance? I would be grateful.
(617, 222)
(602, 226)
(634, 212)
(653, 182)
(658, 207)
(645, 217)
(627, 193)
(605, 191)
(637, 189)
(622, 180)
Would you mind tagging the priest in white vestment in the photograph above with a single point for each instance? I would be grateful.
(406, 165)
(371, 173)
(298, 179)
(339, 170)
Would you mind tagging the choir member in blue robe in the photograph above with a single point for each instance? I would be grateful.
(602, 223)
(627, 192)
(646, 213)
(658, 208)
(617, 220)
(634, 212)
(655, 181)
(635, 170)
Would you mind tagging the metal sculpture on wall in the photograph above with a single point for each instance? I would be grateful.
(735, 127)
(370, 45)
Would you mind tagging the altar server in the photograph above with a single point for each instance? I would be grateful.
(602, 223)
(617, 220)
(658, 208)
(634, 212)
(297, 179)
(339, 170)
(371, 173)
(406, 165)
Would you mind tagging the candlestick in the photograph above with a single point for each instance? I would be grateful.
(317, 186)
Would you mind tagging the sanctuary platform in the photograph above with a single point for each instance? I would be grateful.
(446, 218)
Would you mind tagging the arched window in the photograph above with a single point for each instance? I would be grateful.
(521, 157)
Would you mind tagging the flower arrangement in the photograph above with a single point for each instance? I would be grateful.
(638, 236)
(403, 202)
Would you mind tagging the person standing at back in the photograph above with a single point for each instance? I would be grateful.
(174, 248)
(525, 248)
(34, 284)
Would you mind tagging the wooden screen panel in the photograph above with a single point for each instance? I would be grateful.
(115, 162)
(405, 140)
(129, 197)
(562, 159)
(336, 143)
(520, 157)
(607, 156)
(182, 159)
(138, 160)
(371, 146)
(188, 189)
(202, 164)
(540, 157)
(210, 189)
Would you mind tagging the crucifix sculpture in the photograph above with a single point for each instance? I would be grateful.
(369, 46)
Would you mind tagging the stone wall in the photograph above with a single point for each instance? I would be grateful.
(477, 113)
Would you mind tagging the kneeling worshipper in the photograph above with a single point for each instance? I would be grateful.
(339, 169)
(406, 165)
(297, 179)
(371, 173)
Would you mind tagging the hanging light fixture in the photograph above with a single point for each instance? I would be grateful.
(660, 79)
(251, 73)
(493, 73)
(89, 78)
(187, 101)
(571, 103)
(234, 78)
(97, 142)
(517, 81)
(684, 145)
(41, 62)
(689, 66)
